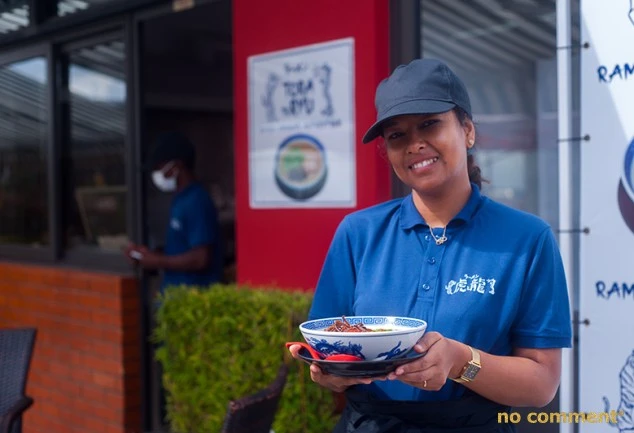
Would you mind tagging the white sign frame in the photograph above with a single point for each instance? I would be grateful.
(302, 146)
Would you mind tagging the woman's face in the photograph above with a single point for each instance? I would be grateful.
(428, 152)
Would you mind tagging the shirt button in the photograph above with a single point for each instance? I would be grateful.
(426, 286)
(431, 260)
(426, 237)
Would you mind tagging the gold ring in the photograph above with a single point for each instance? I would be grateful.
(424, 384)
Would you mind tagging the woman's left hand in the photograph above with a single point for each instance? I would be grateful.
(445, 357)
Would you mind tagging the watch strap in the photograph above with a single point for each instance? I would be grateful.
(475, 361)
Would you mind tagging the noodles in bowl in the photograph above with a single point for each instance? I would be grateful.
(369, 337)
(344, 326)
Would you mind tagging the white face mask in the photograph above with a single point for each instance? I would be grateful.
(163, 183)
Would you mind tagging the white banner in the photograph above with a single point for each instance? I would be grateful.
(301, 127)
(606, 342)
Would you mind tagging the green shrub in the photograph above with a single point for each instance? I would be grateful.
(226, 342)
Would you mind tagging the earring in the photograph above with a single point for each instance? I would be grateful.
(471, 143)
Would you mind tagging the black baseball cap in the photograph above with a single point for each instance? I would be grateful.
(423, 86)
(170, 146)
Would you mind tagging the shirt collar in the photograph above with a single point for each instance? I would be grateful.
(185, 191)
(410, 217)
(189, 187)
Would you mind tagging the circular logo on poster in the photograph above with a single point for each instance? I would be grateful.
(300, 167)
(626, 188)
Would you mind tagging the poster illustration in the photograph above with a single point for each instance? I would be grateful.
(625, 410)
(606, 301)
(301, 127)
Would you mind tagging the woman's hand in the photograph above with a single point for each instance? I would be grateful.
(534, 373)
(334, 383)
(445, 358)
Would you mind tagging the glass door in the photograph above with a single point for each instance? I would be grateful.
(185, 84)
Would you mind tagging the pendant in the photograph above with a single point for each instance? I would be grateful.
(441, 240)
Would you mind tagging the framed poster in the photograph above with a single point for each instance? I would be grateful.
(302, 127)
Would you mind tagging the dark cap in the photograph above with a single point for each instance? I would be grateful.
(422, 86)
(170, 146)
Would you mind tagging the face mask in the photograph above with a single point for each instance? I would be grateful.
(163, 183)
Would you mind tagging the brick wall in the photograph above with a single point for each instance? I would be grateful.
(85, 373)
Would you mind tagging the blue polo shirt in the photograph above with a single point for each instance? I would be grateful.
(193, 222)
(496, 283)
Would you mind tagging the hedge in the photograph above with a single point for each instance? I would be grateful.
(225, 342)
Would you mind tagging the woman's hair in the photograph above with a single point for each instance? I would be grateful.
(473, 169)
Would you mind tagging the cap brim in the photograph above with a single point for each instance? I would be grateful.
(419, 106)
(154, 162)
(151, 165)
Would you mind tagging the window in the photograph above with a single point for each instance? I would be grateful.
(505, 52)
(23, 153)
(94, 190)
(14, 15)
(68, 7)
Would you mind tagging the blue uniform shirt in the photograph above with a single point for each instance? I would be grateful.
(193, 222)
(495, 284)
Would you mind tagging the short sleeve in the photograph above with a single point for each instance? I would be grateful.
(201, 228)
(543, 320)
(334, 293)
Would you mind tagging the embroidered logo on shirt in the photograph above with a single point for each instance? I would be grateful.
(175, 224)
(471, 283)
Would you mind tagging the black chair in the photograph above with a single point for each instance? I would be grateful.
(16, 349)
(255, 413)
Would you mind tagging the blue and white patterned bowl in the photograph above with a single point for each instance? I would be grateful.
(394, 338)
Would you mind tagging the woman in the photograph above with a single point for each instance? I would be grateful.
(488, 279)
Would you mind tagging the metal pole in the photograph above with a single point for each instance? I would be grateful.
(566, 196)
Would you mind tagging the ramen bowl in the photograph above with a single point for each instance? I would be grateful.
(300, 167)
(626, 188)
(388, 336)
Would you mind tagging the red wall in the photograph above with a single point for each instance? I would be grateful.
(287, 247)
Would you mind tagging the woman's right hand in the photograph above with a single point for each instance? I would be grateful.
(334, 383)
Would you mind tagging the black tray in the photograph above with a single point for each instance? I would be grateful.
(359, 368)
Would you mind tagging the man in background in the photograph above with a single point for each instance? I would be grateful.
(193, 252)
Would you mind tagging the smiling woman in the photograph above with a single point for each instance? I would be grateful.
(450, 247)
(423, 149)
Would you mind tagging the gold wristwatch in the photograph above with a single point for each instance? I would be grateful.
(471, 368)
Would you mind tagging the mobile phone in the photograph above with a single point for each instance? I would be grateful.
(136, 255)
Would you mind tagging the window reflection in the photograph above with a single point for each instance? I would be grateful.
(23, 153)
(68, 7)
(95, 192)
(505, 53)
(14, 15)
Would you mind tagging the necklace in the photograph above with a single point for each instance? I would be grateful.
(442, 239)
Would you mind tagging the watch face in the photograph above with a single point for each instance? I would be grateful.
(471, 372)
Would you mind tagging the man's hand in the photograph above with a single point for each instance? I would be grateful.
(130, 251)
(140, 255)
(149, 259)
